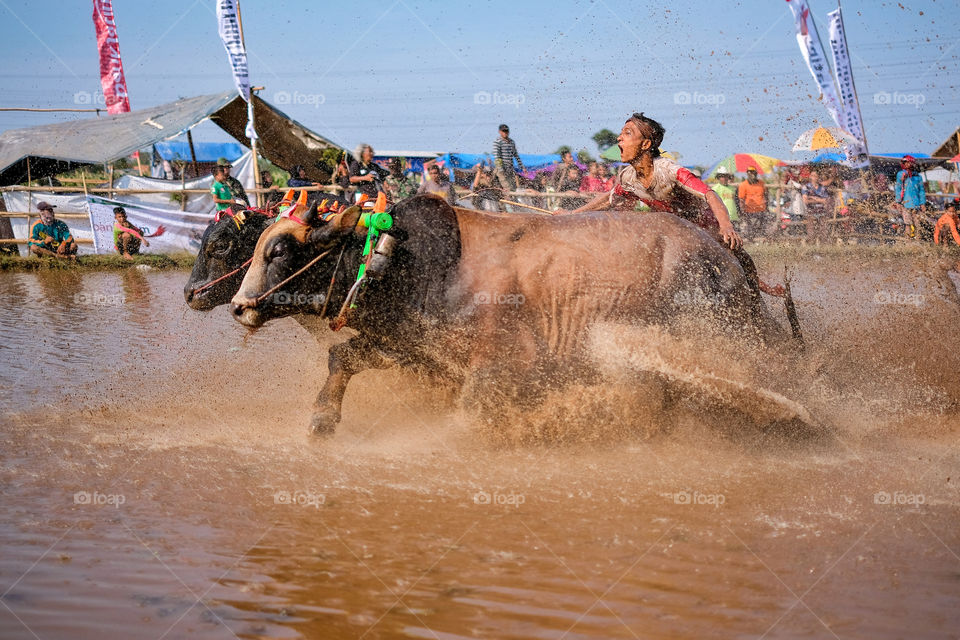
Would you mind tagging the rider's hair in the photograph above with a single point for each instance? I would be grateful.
(656, 131)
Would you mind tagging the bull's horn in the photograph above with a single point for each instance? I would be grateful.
(311, 215)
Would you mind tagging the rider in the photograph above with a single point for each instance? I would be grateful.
(664, 185)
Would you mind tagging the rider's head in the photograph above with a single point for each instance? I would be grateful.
(640, 135)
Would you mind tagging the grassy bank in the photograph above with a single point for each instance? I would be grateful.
(97, 262)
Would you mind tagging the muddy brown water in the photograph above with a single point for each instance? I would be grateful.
(157, 482)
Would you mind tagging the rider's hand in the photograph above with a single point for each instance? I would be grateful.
(730, 236)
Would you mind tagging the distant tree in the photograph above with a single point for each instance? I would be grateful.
(562, 149)
(604, 139)
(584, 156)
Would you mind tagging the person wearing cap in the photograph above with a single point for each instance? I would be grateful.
(51, 237)
(752, 196)
(236, 189)
(910, 194)
(728, 195)
(504, 154)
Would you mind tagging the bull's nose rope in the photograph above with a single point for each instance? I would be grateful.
(224, 277)
(285, 281)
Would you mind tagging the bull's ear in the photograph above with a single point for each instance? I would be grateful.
(346, 221)
(310, 217)
(336, 227)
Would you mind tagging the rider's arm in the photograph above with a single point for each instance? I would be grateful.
(601, 202)
(695, 185)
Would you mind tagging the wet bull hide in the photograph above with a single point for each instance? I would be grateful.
(490, 301)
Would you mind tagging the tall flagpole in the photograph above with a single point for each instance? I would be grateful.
(853, 84)
(253, 141)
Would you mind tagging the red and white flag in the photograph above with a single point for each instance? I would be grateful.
(111, 68)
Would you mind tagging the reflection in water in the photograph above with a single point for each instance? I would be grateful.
(157, 481)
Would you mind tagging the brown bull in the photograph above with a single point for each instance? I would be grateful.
(496, 300)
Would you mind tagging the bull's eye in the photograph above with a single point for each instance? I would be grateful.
(279, 250)
(221, 248)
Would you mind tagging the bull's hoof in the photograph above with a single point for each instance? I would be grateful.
(324, 422)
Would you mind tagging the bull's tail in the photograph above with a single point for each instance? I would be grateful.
(791, 310)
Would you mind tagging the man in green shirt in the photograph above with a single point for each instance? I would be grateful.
(51, 237)
(220, 191)
(728, 195)
(236, 189)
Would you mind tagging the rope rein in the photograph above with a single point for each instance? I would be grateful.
(285, 281)
(224, 277)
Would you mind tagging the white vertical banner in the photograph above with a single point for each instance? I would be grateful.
(853, 124)
(812, 51)
(228, 21)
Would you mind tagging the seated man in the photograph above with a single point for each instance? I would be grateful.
(126, 237)
(51, 237)
(663, 185)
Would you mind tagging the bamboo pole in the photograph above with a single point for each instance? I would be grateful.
(50, 110)
(183, 191)
(139, 166)
(193, 154)
(29, 195)
(110, 191)
(253, 141)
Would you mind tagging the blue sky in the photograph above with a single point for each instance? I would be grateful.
(403, 74)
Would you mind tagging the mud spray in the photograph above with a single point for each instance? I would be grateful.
(157, 474)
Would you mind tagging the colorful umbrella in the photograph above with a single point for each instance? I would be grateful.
(740, 162)
(823, 138)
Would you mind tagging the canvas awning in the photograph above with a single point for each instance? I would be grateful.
(950, 146)
(55, 148)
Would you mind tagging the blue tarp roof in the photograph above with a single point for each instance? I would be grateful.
(206, 151)
(470, 160)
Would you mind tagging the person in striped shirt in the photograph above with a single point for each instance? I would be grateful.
(504, 153)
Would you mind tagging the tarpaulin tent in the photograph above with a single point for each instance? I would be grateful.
(950, 147)
(55, 148)
(205, 151)
(530, 161)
